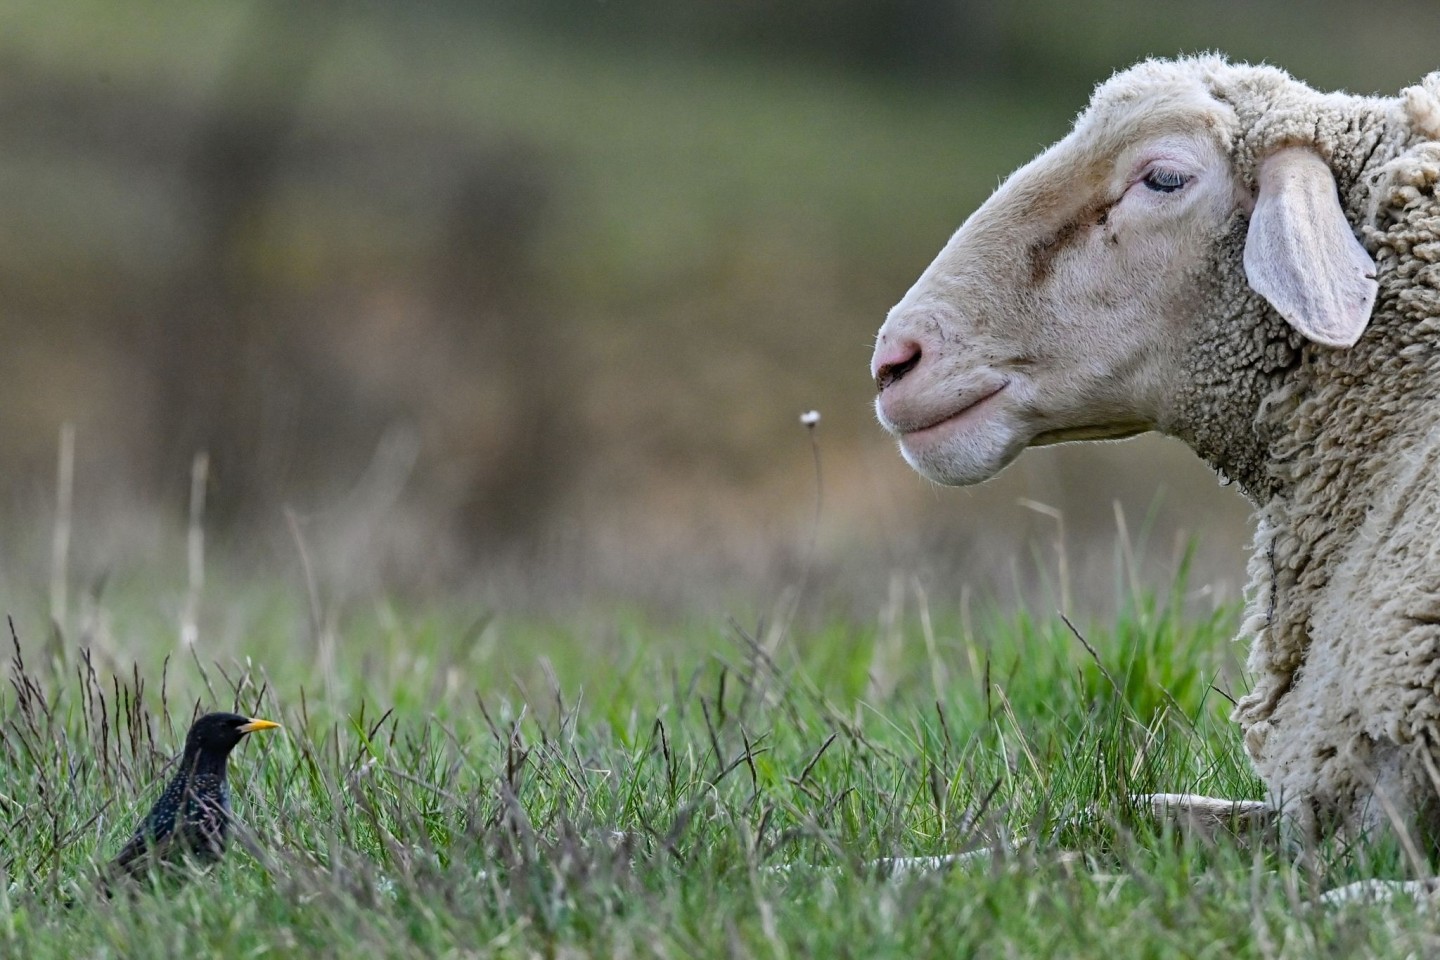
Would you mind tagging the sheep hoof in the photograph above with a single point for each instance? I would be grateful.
(1380, 891)
(1207, 817)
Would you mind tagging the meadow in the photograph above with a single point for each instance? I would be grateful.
(700, 244)
(455, 782)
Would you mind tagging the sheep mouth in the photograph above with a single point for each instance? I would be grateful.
(1113, 431)
(911, 428)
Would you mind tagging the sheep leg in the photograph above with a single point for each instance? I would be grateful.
(1379, 891)
(1207, 817)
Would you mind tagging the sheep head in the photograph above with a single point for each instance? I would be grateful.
(1072, 304)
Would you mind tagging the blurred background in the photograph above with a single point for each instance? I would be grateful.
(526, 297)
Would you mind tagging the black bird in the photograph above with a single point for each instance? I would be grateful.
(191, 820)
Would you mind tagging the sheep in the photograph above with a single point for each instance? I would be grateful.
(1220, 253)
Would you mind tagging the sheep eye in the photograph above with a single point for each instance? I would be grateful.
(1165, 181)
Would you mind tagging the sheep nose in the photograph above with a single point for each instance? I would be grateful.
(893, 361)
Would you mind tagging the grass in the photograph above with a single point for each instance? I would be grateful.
(447, 785)
(455, 782)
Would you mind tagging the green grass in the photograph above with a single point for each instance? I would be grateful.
(452, 784)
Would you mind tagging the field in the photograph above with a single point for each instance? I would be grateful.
(454, 783)
(707, 711)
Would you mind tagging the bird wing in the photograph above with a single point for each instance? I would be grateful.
(144, 850)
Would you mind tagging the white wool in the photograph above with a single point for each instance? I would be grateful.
(1422, 103)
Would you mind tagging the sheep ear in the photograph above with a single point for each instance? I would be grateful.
(1301, 254)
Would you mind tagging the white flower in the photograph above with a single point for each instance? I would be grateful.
(810, 417)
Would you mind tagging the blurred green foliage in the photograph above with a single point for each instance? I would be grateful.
(1038, 43)
(502, 271)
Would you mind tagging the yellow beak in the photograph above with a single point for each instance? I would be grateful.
(257, 724)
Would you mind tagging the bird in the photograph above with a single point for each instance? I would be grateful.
(190, 823)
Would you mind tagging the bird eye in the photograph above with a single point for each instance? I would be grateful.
(1165, 181)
